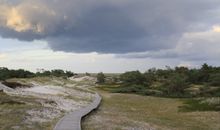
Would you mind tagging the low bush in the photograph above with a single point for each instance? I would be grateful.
(100, 78)
(215, 79)
(130, 89)
(200, 105)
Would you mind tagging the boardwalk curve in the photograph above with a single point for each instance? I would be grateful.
(72, 121)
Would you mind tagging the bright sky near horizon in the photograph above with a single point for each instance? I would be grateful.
(109, 36)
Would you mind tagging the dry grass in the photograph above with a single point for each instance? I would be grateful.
(29, 113)
(41, 80)
(13, 113)
(129, 112)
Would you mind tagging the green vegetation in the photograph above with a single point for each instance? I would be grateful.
(133, 77)
(175, 86)
(195, 86)
(209, 104)
(214, 79)
(6, 73)
(177, 82)
(100, 78)
(172, 98)
(13, 111)
(56, 73)
(131, 111)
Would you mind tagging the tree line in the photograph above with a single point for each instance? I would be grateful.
(172, 82)
(6, 73)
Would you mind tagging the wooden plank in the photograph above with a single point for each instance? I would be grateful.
(72, 121)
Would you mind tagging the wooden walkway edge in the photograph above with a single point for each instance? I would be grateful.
(72, 121)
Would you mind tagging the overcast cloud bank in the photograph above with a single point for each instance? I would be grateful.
(128, 28)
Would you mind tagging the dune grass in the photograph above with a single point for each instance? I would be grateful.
(13, 113)
(129, 111)
(14, 108)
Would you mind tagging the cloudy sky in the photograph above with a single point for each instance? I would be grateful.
(108, 35)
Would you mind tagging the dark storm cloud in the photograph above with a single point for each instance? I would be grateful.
(104, 29)
(112, 26)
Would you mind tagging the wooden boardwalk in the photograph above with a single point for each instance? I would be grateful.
(72, 121)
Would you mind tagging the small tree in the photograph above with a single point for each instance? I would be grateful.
(100, 78)
(204, 74)
(69, 74)
(133, 77)
(215, 79)
(58, 73)
(88, 74)
(176, 85)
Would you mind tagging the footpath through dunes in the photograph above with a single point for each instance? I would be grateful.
(72, 121)
(44, 103)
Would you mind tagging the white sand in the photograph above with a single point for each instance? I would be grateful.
(84, 78)
(5, 88)
(45, 90)
(54, 99)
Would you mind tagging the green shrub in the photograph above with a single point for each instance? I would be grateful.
(175, 85)
(215, 79)
(199, 105)
(133, 77)
(130, 89)
(5, 73)
(100, 78)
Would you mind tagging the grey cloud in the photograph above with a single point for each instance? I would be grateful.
(174, 54)
(112, 26)
(195, 46)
